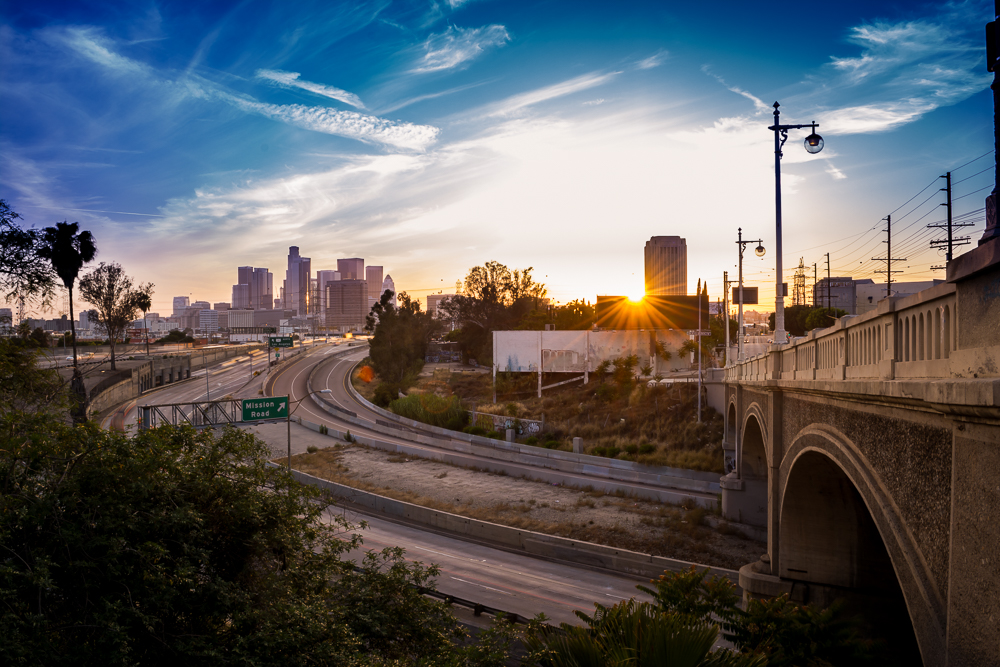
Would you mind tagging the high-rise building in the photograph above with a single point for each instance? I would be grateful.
(388, 284)
(220, 306)
(180, 304)
(241, 296)
(373, 275)
(324, 278)
(351, 269)
(666, 265)
(262, 289)
(208, 321)
(295, 293)
(346, 305)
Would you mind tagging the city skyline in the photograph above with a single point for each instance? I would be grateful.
(438, 137)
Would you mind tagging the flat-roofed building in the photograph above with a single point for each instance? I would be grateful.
(666, 265)
(346, 305)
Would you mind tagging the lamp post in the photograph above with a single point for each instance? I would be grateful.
(288, 419)
(813, 144)
(759, 251)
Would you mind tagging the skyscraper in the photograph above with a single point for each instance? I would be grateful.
(388, 284)
(180, 304)
(373, 276)
(666, 265)
(346, 304)
(351, 269)
(324, 278)
(296, 287)
(262, 289)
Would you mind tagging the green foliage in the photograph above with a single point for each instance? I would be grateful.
(25, 388)
(24, 270)
(400, 339)
(624, 370)
(635, 634)
(495, 298)
(821, 318)
(115, 298)
(177, 547)
(432, 409)
(175, 336)
(575, 315)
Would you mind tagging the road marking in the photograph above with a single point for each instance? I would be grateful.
(472, 583)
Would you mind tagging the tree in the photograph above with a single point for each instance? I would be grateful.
(821, 318)
(24, 271)
(495, 298)
(112, 293)
(176, 547)
(144, 302)
(68, 249)
(575, 315)
(399, 343)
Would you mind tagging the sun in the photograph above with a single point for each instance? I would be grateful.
(635, 298)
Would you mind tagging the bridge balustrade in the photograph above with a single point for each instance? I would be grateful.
(911, 337)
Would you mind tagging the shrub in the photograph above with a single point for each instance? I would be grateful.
(552, 444)
(531, 440)
(312, 449)
(323, 430)
(432, 409)
(494, 435)
(606, 393)
(474, 430)
(646, 448)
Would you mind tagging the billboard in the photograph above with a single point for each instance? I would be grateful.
(652, 312)
(749, 295)
(583, 351)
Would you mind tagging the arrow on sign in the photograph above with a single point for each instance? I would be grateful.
(281, 406)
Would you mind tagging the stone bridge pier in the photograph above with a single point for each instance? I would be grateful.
(871, 453)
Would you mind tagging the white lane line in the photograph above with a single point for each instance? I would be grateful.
(447, 555)
(472, 583)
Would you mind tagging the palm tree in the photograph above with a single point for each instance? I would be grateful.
(68, 251)
(144, 301)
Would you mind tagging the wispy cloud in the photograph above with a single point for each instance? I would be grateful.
(429, 96)
(292, 80)
(758, 104)
(348, 124)
(652, 61)
(456, 47)
(837, 174)
(594, 103)
(561, 89)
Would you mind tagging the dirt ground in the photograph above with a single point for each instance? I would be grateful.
(583, 514)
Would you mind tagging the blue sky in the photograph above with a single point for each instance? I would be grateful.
(428, 137)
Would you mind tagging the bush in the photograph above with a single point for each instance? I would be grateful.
(631, 450)
(531, 440)
(646, 448)
(494, 435)
(312, 449)
(606, 393)
(432, 409)
(385, 394)
(552, 444)
(474, 430)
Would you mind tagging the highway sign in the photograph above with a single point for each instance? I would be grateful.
(271, 407)
(279, 341)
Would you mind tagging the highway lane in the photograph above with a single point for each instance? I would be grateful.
(504, 580)
(292, 381)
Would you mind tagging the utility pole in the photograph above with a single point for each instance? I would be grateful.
(725, 310)
(950, 242)
(828, 281)
(993, 65)
(815, 282)
(889, 259)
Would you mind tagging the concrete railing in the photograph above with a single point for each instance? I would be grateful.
(903, 338)
(673, 485)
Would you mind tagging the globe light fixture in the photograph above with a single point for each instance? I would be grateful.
(813, 143)
(759, 250)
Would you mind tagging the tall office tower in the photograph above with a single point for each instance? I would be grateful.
(351, 269)
(220, 306)
(434, 304)
(296, 289)
(180, 304)
(373, 274)
(346, 304)
(323, 278)
(241, 296)
(388, 284)
(666, 265)
(261, 289)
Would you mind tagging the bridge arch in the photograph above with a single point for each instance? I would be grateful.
(754, 456)
(843, 536)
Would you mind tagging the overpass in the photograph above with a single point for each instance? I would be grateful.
(871, 453)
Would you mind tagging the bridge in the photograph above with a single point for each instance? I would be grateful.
(871, 453)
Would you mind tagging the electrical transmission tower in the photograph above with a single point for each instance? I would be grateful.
(799, 289)
(949, 242)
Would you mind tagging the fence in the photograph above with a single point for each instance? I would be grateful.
(500, 423)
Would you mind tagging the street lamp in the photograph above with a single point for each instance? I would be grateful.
(288, 419)
(813, 144)
(759, 251)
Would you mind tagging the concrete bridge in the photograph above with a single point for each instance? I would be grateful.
(871, 452)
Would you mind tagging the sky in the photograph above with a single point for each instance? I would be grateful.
(429, 137)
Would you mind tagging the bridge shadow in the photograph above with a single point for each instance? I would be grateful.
(831, 548)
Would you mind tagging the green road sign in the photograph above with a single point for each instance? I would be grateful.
(279, 341)
(271, 407)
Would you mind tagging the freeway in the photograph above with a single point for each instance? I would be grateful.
(493, 577)
(292, 380)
